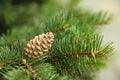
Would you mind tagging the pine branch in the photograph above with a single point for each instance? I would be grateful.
(47, 72)
(40, 70)
(56, 21)
(32, 69)
(78, 51)
(95, 19)
(17, 74)
(11, 53)
(78, 54)
(61, 28)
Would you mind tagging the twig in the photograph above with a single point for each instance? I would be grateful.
(61, 28)
(30, 69)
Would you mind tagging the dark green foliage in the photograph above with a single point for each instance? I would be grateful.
(4, 27)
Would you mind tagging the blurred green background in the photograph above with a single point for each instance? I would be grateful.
(19, 12)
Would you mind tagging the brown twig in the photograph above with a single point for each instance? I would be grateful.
(100, 23)
(8, 62)
(61, 28)
(77, 54)
(81, 15)
(30, 69)
(62, 65)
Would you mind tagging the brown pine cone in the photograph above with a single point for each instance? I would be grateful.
(39, 45)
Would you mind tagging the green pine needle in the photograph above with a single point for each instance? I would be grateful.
(78, 54)
(17, 74)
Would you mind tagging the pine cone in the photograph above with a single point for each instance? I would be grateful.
(39, 45)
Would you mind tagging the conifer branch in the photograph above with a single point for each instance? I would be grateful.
(77, 50)
(30, 69)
